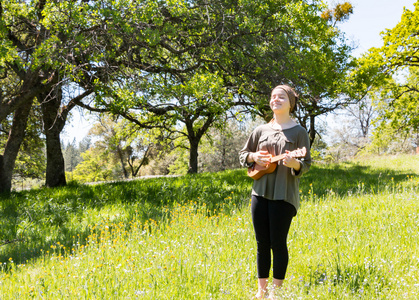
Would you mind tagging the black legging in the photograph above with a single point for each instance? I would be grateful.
(271, 221)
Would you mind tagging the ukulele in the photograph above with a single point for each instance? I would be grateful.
(256, 171)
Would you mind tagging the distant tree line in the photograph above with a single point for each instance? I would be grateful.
(115, 150)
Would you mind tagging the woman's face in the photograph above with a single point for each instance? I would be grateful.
(280, 101)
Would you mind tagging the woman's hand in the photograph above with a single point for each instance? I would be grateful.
(262, 158)
(290, 162)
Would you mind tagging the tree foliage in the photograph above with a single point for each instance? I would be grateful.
(162, 63)
(397, 67)
(398, 110)
(42, 50)
(251, 48)
(221, 147)
(339, 13)
(72, 153)
(401, 43)
(184, 109)
(119, 150)
(310, 54)
(95, 167)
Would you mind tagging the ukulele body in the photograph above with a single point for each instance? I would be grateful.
(257, 171)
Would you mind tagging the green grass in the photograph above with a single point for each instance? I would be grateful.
(47, 216)
(355, 236)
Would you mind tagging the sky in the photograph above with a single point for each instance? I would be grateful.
(369, 19)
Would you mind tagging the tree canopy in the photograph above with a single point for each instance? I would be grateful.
(162, 64)
(251, 47)
(396, 64)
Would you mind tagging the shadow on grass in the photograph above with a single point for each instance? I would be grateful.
(35, 220)
(349, 178)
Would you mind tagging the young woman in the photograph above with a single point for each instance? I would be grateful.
(275, 196)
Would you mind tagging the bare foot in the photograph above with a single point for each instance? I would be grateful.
(273, 292)
(272, 296)
(260, 295)
(262, 285)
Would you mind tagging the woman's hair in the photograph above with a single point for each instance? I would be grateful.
(292, 95)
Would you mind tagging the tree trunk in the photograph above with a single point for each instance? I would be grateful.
(193, 156)
(144, 160)
(30, 87)
(54, 123)
(223, 158)
(121, 160)
(194, 138)
(312, 131)
(11, 150)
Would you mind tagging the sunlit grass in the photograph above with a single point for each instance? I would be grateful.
(192, 238)
(360, 246)
(41, 217)
(187, 256)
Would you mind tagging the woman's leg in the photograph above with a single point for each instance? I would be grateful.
(280, 217)
(260, 218)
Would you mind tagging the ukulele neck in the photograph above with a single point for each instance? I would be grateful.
(277, 158)
(296, 153)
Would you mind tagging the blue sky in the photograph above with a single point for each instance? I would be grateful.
(370, 18)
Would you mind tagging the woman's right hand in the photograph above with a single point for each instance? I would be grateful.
(262, 158)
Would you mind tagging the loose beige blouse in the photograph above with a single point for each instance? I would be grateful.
(283, 183)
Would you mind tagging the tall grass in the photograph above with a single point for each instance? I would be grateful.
(355, 236)
(43, 217)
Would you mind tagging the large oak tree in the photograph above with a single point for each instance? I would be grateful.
(245, 48)
(394, 68)
(65, 53)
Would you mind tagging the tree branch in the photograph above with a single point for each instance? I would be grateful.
(76, 101)
(6, 242)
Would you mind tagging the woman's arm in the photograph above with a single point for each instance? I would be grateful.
(302, 165)
(246, 155)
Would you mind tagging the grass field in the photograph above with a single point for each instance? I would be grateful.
(356, 236)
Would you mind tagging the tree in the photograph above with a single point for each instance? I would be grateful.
(221, 146)
(48, 47)
(401, 43)
(122, 147)
(339, 13)
(310, 54)
(72, 156)
(363, 113)
(324, 70)
(199, 41)
(15, 138)
(189, 108)
(398, 110)
(93, 47)
(397, 107)
(399, 55)
(95, 167)
(30, 162)
(124, 144)
(352, 132)
(33, 40)
(248, 49)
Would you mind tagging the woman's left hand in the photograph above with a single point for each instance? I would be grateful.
(290, 162)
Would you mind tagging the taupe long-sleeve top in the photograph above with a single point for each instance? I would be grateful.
(283, 183)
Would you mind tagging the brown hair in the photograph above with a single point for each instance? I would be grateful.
(292, 95)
